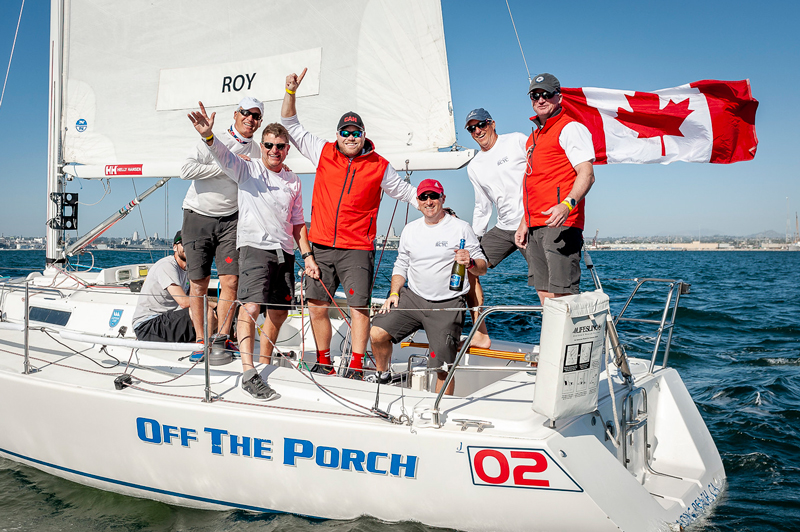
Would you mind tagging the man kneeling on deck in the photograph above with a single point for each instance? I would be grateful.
(162, 313)
(270, 216)
(428, 247)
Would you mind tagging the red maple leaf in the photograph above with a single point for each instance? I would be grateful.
(649, 120)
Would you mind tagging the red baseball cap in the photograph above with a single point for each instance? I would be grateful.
(430, 185)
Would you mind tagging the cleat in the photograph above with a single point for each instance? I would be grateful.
(355, 374)
(322, 369)
(258, 389)
(380, 377)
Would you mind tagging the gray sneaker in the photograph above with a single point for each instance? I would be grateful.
(381, 377)
(258, 389)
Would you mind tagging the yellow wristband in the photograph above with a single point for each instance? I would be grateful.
(211, 136)
(394, 294)
(568, 204)
(290, 92)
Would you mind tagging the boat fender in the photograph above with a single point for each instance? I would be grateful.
(123, 381)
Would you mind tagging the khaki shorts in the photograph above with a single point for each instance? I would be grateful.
(554, 259)
(413, 313)
(206, 238)
(352, 267)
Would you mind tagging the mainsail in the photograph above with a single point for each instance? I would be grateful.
(132, 71)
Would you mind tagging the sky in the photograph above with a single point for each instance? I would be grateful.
(639, 46)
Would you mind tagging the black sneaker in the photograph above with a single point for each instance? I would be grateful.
(380, 377)
(258, 389)
(355, 374)
(322, 369)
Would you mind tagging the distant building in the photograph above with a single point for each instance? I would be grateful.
(135, 237)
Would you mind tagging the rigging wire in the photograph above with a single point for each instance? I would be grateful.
(144, 229)
(8, 69)
(518, 42)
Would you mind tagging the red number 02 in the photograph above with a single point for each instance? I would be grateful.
(539, 466)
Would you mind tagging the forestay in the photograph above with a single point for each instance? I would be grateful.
(134, 69)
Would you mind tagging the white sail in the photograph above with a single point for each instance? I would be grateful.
(134, 69)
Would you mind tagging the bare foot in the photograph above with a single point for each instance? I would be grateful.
(481, 339)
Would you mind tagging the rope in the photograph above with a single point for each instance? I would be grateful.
(518, 41)
(13, 45)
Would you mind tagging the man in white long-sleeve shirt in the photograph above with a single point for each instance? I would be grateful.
(270, 217)
(496, 173)
(428, 247)
(210, 215)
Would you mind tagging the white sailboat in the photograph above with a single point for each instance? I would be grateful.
(548, 437)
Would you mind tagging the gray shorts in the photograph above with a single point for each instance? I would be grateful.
(352, 267)
(206, 238)
(413, 313)
(172, 326)
(554, 259)
(497, 244)
(264, 280)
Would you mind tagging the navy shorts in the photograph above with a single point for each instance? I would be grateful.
(265, 280)
(173, 326)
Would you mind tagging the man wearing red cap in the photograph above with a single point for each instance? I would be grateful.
(344, 211)
(428, 247)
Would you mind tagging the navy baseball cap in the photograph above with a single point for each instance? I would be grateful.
(480, 114)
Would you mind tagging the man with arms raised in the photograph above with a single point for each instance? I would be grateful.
(428, 247)
(270, 217)
(558, 176)
(162, 313)
(344, 211)
(496, 174)
(210, 215)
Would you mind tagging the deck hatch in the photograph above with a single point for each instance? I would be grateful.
(49, 315)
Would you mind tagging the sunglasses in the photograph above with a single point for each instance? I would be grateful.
(246, 112)
(425, 196)
(355, 134)
(546, 95)
(269, 145)
(480, 125)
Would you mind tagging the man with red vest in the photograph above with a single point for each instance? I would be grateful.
(558, 176)
(344, 211)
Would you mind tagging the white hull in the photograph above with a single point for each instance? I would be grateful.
(321, 456)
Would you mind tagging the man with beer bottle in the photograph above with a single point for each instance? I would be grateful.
(428, 248)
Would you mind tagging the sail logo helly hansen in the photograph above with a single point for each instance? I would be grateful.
(297, 452)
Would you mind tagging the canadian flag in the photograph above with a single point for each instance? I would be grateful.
(703, 122)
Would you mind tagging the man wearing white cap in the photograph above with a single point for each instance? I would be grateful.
(210, 216)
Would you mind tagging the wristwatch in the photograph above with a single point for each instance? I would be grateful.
(304, 256)
(571, 202)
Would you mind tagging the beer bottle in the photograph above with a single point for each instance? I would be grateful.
(457, 273)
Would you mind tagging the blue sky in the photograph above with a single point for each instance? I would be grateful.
(623, 45)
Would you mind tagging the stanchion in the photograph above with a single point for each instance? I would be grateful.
(206, 350)
(26, 368)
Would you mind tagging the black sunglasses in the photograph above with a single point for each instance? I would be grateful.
(355, 134)
(480, 125)
(247, 112)
(280, 145)
(542, 94)
(429, 195)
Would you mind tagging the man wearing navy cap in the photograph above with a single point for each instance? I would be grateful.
(558, 176)
(344, 212)
(428, 247)
(496, 173)
(211, 214)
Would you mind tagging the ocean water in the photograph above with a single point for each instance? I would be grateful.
(736, 345)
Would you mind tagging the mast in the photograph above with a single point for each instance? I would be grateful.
(55, 179)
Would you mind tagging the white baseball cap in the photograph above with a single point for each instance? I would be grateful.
(248, 102)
